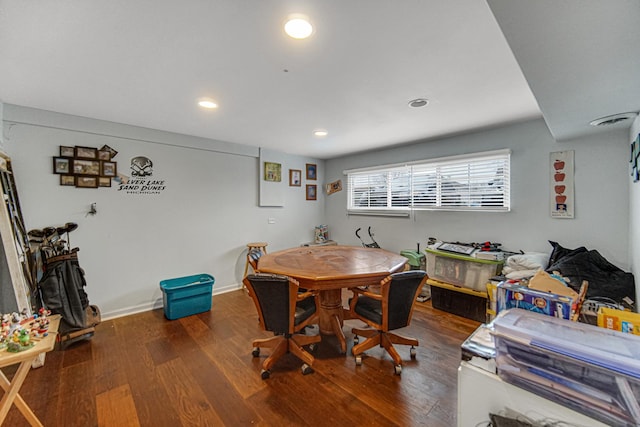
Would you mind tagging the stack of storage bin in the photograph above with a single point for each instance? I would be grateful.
(589, 369)
(459, 283)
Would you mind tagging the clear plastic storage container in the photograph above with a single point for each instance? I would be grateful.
(589, 369)
(461, 270)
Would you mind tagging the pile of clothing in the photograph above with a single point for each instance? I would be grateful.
(577, 265)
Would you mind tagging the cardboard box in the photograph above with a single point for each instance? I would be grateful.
(514, 295)
(619, 320)
(543, 281)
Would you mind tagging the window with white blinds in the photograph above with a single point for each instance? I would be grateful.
(478, 181)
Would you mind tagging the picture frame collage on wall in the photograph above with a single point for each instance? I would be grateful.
(85, 167)
(272, 173)
(312, 175)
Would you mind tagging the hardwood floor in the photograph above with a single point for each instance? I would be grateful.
(144, 370)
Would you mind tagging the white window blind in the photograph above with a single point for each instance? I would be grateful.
(471, 182)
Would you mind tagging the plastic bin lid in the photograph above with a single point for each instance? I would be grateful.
(614, 350)
(186, 281)
(463, 257)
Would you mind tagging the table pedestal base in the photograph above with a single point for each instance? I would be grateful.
(331, 316)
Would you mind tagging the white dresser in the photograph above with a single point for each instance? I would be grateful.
(481, 392)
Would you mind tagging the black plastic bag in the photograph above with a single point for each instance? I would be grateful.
(605, 279)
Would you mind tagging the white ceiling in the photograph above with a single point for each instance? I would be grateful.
(145, 62)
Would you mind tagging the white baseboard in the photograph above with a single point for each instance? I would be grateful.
(153, 305)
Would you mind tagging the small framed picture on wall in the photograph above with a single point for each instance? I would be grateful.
(67, 180)
(104, 181)
(109, 169)
(86, 153)
(104, 155)
(66, 151)
(312, 190)
(111, 151)
(295, 178)
(86, 167)
(272, 171)
(312, 171)
(87, 181)
(61, 165)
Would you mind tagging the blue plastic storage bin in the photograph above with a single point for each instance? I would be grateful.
(184, 296)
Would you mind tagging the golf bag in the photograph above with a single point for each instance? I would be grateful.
(62, 291)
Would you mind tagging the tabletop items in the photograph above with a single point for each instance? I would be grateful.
(20, 331)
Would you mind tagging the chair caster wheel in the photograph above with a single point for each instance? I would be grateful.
(264, 374)
(256, 352)
(356, 340)
(306, 369)
(412, 352)
(397, 369)
(358, 360)
(313, 347)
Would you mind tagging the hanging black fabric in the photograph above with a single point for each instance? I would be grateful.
(62, 290)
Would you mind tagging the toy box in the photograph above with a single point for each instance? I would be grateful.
(184, 296)
(461, 270)
(514, 295)
(619, 320)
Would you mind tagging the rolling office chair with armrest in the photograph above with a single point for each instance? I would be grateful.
(391, 309)
(285, 312)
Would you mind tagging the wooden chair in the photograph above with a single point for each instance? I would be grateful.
(285, 312)
(253, 256)
(391, 309)
(256, 250)
(261, 246)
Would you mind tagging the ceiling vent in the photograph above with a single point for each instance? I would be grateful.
(418, 102)
(612, 120)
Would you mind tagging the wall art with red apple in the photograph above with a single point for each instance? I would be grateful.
(561, 170)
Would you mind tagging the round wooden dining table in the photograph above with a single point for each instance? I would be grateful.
(329, 269)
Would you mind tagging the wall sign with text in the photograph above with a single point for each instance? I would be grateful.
(142, 181)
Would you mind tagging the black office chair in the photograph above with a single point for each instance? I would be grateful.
(390, 309)
(285, 312)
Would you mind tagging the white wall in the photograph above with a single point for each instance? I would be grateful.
(200, 223)
(209, 210)
(634, 214)
(601, 195)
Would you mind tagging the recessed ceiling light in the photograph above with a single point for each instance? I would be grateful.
(418, 102)
(298, 26)
(611, 120)
(320, 132)
(207, 103)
